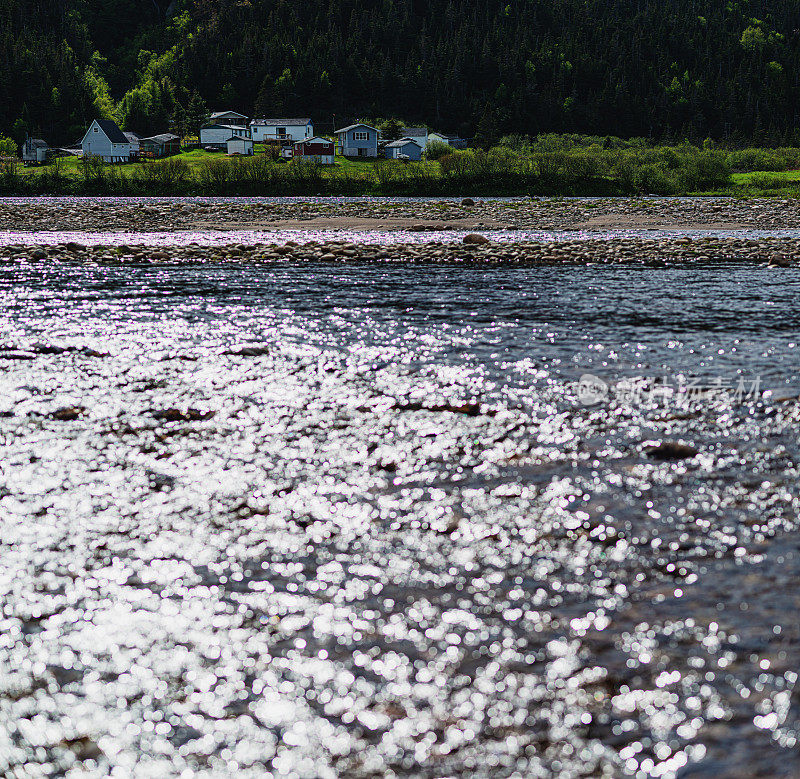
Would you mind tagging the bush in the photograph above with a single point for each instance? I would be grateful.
(8, 147)
(163, 175)
(749, 160)
(437, 149)
(213, 175)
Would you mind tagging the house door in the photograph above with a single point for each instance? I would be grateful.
(362, 152)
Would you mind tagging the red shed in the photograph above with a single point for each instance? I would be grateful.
(315, 149)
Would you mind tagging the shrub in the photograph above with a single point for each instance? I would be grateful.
(437, 149)
(214, 175)
(8, 147)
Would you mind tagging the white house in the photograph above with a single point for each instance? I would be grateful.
(133, 139)
(228, 117)
(418, 134)
(450, 140)
(239, 145)
(217, 134)
(105, 139)
(282, 129)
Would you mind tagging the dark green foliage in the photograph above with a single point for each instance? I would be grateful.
(685, 68)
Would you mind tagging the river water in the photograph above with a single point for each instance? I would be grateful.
(335, 519)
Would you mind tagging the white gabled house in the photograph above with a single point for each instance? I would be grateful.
(104, 139)
(282, 129)
(228, 117)
(217, 134)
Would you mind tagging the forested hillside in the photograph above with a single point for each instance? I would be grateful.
(656, 68)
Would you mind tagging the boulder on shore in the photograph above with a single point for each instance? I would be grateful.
(475, 238)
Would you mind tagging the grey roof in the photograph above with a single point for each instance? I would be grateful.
(217, 114)
(282, 122)
(112, 131)
(402, 142)
(239, 138)
(132, 137)
(353, 126)
(37, 143)
(315, 139)
(162, 138)
(211, 125)
(414, 132)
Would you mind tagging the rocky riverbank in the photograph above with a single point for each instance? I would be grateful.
(153, 214)
(772, 251)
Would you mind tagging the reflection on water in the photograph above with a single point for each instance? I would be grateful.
(717, 320)
(317, 520)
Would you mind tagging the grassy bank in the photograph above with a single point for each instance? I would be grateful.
(557, 167)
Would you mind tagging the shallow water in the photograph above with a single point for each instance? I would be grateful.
(341, 519)
(202, 238)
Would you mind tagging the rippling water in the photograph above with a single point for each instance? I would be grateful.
(324, 519)
(715, 320)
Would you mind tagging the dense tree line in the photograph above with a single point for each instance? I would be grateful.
(661, 69)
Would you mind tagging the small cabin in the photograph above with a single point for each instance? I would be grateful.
(404, 149)
(316, 149)
(104, 139)
(157, 146)
(358, 140)
(238, 146)
(34, 151)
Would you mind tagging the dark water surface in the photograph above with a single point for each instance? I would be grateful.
(337, 519)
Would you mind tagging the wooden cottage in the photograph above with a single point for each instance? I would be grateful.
(157, 146)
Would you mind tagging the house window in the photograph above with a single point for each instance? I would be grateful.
(359, 136)
(95, 129)
(281, 132)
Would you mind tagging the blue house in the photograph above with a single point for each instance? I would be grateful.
(358, 140)
(404, 148)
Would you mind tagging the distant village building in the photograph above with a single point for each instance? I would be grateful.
(281, 129)
(228, 117)
(450, 140)
(358, 140)
(404, 148)
(316, 149)
(104, 139)
(419, 134)
(133, 139)
(34, 151)
(216, 134)
(238, 145)
(163, 145)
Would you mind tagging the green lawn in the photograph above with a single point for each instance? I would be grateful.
(71, 166)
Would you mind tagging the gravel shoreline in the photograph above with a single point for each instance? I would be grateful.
(658, 252)
(388, 214)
